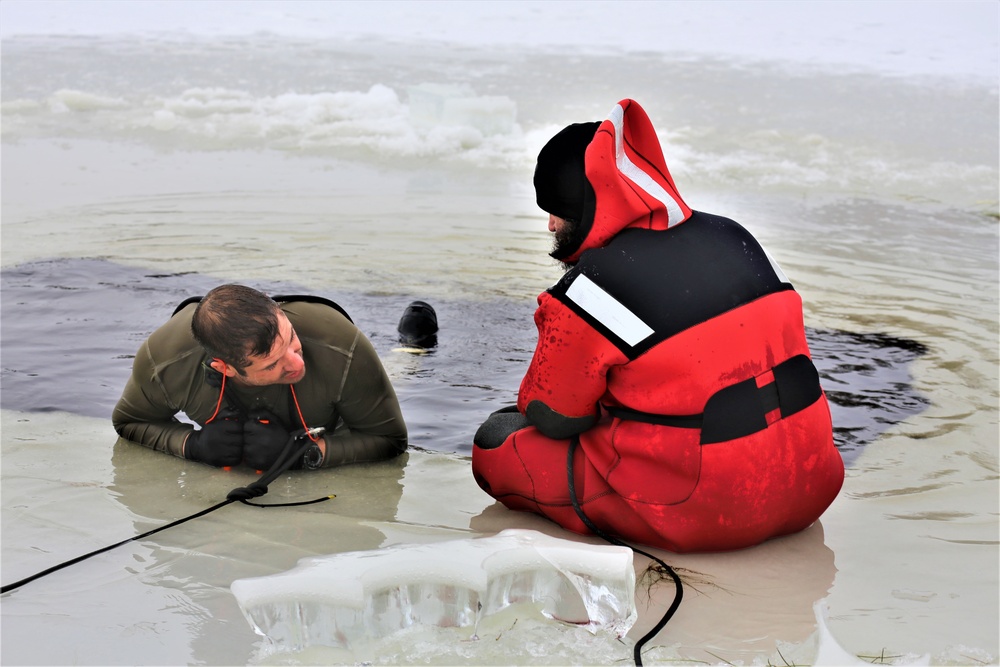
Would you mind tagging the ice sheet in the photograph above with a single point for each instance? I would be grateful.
(347, 601)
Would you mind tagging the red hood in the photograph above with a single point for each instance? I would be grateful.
(632, 186)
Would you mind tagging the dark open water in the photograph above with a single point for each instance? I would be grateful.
(67, 348)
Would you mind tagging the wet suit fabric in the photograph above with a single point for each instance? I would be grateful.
(345, 388)
(674, 353)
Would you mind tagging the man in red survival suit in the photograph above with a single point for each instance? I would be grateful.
(671, 387)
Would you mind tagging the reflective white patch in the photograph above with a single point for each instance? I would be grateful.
(643, 180)
(608, 310)
(777, 269)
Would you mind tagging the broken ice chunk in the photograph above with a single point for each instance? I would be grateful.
(353, 599)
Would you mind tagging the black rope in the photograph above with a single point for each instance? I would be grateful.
(678, 596)
(22, 582)
(288, 456)
(295, 504)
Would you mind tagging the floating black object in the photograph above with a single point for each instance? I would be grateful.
(418, 327)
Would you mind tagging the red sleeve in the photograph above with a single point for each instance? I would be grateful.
(569, 370)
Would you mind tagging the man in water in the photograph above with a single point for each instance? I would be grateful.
(671, 399)
(251, 371)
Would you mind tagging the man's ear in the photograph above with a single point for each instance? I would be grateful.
(222, 367)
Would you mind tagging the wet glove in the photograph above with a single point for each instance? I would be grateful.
(264, 438)
(219, 442)
(498, 426)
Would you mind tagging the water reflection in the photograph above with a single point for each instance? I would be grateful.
(198, 560)
(165, 598)
(157, 488)
(739, 597)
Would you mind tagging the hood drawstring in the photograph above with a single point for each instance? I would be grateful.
(295, 400)
(222, 392)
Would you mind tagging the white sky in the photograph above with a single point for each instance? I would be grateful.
(957, 37)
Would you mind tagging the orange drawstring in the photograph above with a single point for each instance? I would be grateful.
(302, 419)
(222, 392)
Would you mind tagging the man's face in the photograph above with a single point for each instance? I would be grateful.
(282, 365)
(556, 224)
(562, 232)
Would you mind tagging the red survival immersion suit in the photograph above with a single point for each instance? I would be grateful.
(679, 345)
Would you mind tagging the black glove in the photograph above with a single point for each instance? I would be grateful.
(498, 426)
(264, 437)
(219, 442)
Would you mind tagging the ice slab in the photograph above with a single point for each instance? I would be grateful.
(351, 600)
(433, 105)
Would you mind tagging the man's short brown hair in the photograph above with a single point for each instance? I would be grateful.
(235, 322)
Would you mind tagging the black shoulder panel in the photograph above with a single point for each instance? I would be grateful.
(309, 298)
(673, 280)
(284, 298)
(185, 303)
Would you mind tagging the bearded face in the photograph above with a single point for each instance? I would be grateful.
(566, 238)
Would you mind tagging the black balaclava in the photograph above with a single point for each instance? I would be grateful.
(561, 185)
